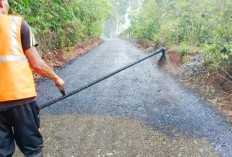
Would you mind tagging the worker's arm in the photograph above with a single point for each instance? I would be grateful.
(40, 67)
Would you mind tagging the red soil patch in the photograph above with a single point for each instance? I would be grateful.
(174, 58)
(219, 80)
(60, 57)
(144, 45)
(223, 89)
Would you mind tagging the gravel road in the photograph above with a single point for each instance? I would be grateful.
(139, 112)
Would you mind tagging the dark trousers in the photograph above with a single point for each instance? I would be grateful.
(20, 124)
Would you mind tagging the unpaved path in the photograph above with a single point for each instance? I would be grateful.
(139, 112)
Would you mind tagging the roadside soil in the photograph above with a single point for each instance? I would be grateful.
(60, 57)
(214, 87)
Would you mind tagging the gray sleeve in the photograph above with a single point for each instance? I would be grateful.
(27, 37)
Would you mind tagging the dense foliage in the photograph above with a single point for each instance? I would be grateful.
(73, 21)
(205, 24)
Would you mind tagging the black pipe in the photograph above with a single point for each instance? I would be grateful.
(100, 79)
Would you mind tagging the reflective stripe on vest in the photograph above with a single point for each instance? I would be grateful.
(13, 33)
(13, 58)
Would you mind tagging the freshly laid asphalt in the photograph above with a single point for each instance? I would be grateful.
(143, 93)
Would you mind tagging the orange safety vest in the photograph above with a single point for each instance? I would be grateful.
(16, 78)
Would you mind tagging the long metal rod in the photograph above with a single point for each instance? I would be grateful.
(100, 79)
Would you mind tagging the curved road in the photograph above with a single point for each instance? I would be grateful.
(143, 95)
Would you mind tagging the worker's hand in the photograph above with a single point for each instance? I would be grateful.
(59, 82)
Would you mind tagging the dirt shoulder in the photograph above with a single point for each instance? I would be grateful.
(213, 86)
(61, 56)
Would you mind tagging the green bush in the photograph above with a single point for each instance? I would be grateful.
(204, 24)
(183, 49)
(74, 21)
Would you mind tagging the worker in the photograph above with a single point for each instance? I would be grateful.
(19, 114)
